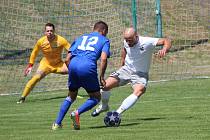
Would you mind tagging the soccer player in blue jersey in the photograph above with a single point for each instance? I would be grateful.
(82, 64)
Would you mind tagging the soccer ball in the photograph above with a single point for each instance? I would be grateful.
(112, 119)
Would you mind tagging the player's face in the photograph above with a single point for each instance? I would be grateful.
(131, 40)
(49, 32)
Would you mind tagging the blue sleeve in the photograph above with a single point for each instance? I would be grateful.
(73, 47)
(106, 48)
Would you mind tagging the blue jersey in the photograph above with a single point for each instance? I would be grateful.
(85, 51)
(90, 45)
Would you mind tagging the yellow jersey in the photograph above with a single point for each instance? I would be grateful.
(52, 51)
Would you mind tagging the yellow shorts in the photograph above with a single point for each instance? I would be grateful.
(46, 68)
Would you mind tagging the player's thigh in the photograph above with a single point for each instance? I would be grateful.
(43, 69)
(139, 83)
(61, 68)
(90, 83)
(73, 82)
(119, 78)
(111, 82)
(139, 78)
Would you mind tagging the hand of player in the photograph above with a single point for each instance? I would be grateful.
(102, 83)
(162, 52)
(28, 69)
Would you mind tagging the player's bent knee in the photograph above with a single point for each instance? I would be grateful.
(41, 74)
(96, 95)
(63, 70)
(139, 89)
(38, 77)
(33, 81)
(139, 93)
(73, 94)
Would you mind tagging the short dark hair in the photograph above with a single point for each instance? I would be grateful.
(51, 25)
(100, 25)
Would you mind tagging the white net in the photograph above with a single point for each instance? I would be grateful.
(186, 23)
(22, 24)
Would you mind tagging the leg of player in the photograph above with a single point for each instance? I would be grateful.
(138, 90)
(64, 108)
(63, 69)
(89, 104)
(41, 72)
(29, 86)
(111, 82)
(105, 95)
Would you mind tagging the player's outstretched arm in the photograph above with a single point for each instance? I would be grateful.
(32, 58)
(166, 46)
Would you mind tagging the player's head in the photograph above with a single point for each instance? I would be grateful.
(130, 36)
(50, 31)
(101, 27)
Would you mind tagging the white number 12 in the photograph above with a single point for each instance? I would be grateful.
(91, 41)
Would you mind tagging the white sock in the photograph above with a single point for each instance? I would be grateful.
(105, 98)
(127, 103)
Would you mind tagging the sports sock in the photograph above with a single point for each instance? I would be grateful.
(30, 85)
(105, 95)
(127, 103)
(63, 109)
(89, 104)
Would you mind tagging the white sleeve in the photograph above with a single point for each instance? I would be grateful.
(149, 40)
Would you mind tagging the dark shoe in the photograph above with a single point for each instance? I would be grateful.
(21, 100)
(75, 120)
(99, 110)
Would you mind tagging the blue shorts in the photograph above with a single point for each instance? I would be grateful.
(83, 73)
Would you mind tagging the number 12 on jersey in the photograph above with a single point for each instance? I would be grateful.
(88, 43)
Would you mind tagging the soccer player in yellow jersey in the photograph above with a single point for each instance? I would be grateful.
(51, 45)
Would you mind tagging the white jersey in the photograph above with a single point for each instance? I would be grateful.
(138, 57)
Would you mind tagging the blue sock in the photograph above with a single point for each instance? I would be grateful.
(90, 103)
(63, 109)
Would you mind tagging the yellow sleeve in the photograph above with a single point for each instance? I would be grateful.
(66, 45)
(34, 53)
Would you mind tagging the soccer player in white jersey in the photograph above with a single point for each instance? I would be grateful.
(136, 58)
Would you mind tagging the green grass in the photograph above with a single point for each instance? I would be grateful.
(176, 110)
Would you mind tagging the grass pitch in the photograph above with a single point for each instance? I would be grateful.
(175, 110)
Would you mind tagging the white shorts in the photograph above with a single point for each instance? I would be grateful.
(125, 76)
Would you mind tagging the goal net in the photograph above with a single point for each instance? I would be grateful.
(22, 22)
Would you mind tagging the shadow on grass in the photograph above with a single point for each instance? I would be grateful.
(52, 98)
(150, 119)
(143, 119)
(58, 97)
(128, 124)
